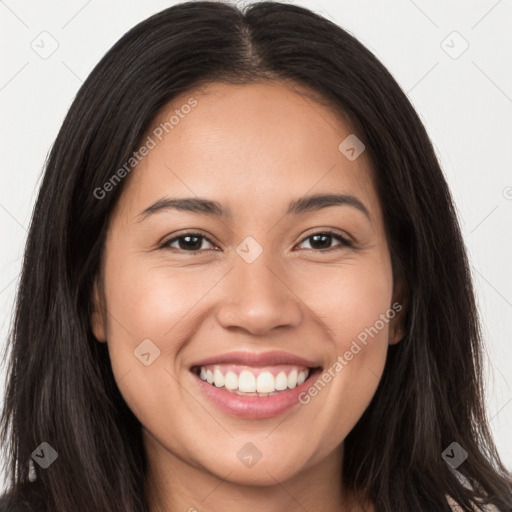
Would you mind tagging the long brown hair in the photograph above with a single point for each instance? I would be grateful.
(60, 386)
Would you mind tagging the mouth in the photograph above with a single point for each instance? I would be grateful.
(255, 386)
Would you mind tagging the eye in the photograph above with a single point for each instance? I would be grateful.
(188, 242)
(324, 238)
(192, 242)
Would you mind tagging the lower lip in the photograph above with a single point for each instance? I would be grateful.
(254, 407)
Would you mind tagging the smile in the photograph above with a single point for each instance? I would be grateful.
(254, 386)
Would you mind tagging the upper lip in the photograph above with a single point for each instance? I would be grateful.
(257, 359)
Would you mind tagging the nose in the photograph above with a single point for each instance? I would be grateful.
(257, 299)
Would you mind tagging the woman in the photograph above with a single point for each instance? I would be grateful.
(245, 286)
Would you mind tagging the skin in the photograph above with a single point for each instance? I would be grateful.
(253, 148)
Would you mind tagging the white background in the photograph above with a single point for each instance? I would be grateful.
(465, 103)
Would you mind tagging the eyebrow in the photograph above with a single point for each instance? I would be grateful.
(215, 209)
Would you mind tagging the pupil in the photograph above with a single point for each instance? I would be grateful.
(191, 245)
(324, 237)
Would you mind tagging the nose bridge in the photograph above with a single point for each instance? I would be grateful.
(257, 298)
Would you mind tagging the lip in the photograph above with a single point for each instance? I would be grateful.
(254, 407)
(257, 359)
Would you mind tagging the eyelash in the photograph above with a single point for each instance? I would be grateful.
(344, 241)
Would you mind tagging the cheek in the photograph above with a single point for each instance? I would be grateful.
(141, 310)
(153, 309)
(351, 299)
(360, 322)
(354, 305)
(150, 301)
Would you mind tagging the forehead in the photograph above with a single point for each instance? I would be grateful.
(254, 144)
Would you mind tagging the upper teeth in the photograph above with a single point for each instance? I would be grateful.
(249, 380)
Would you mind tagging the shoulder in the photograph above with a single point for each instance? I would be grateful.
(457, 508)
(28, 498)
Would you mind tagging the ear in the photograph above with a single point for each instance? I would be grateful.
(400, 305)
(98, 322)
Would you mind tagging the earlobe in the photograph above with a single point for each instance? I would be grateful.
(97, 317)
(396, 328)
(396, 336)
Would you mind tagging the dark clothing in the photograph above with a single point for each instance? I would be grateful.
(28, 499)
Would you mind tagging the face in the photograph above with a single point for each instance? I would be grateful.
(250, 343)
